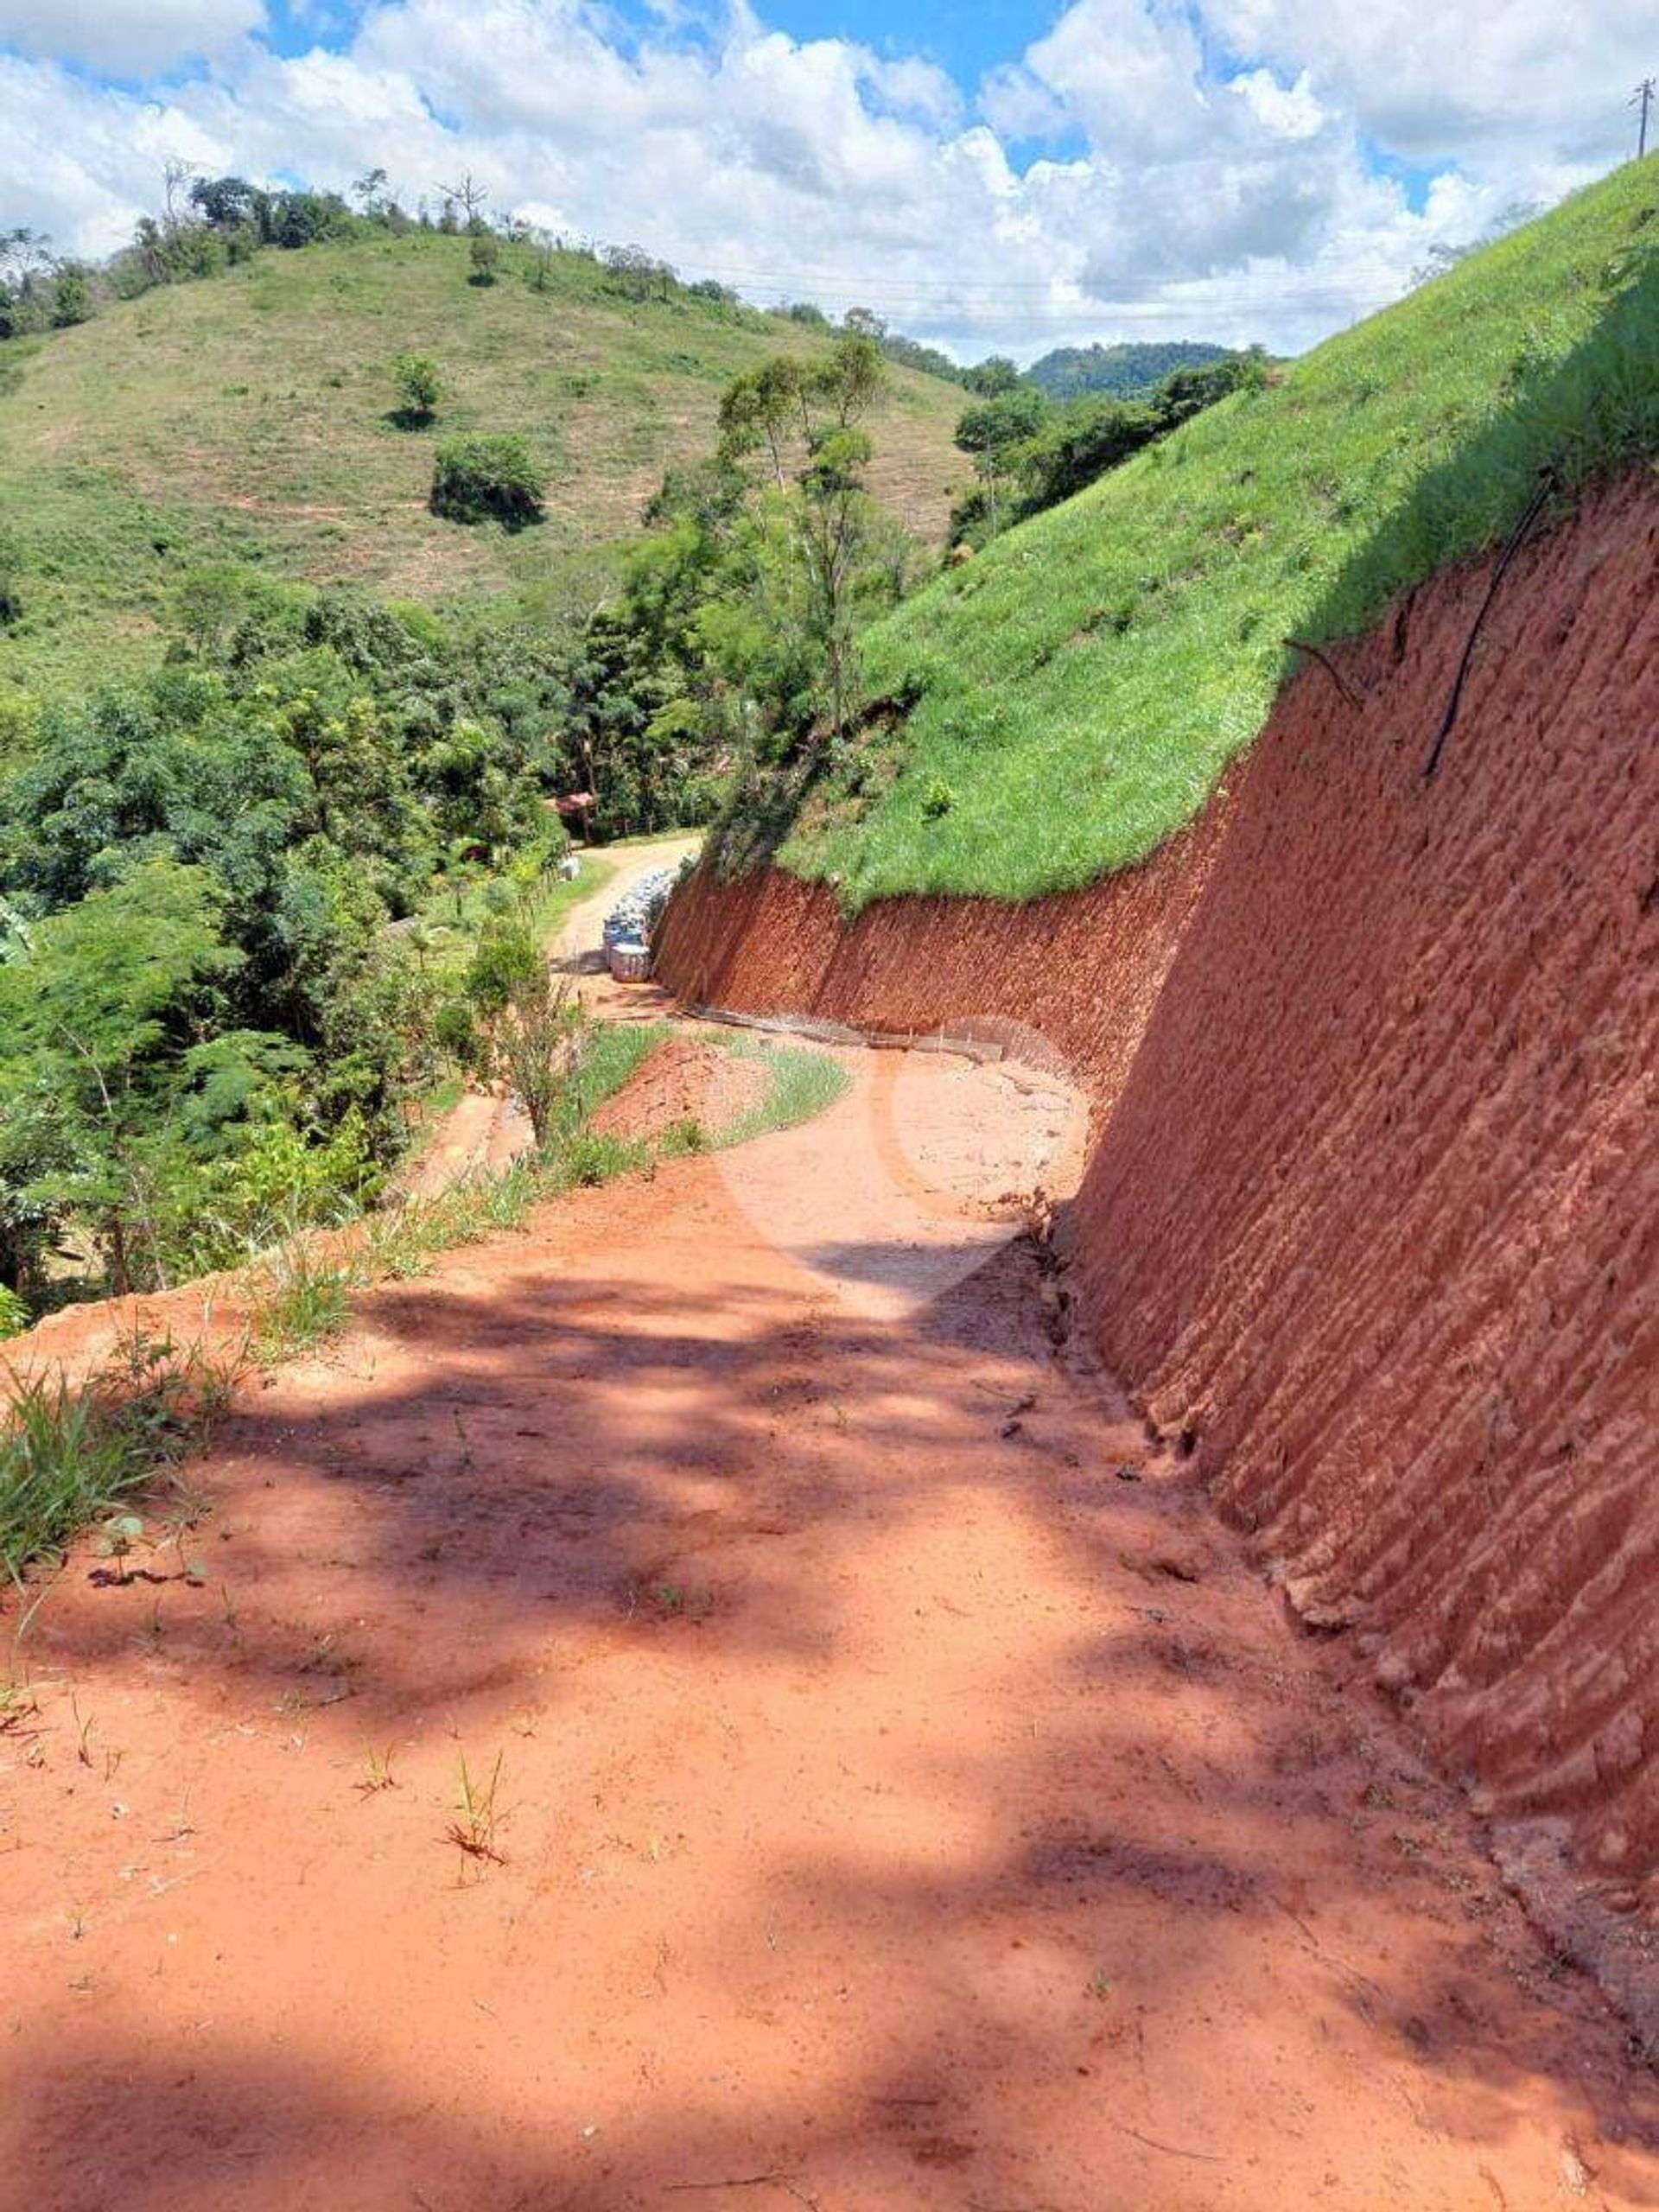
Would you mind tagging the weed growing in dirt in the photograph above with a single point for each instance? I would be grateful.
(473, 1832)
(683, 1139)
(305, 1298)
(377, 1774)
(70, 1452)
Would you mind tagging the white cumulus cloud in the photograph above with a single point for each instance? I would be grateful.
(128, 38)
(1143, 168)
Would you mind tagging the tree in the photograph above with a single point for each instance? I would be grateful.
(852, 380)
(479, 478)
(992, 377)
(638, 273)
(371, 193)
(420, 386)
(485, 252)
(209, 601)
(226, 202)
(1081, 442)
(539, 276)
(765, 406)
(469, 195)
(997, 432)
(835, 530)
(95, 1019)
(1187, 391)
(785, 401)
(24, 261)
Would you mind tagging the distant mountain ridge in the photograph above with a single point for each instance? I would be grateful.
(1127, 370)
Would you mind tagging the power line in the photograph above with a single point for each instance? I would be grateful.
(936, 295)
(950, 289)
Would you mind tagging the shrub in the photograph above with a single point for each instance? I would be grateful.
(505, 960)
(420, 385)
(72, 298)
(485, 253)
(477, 477)
(454, 1032)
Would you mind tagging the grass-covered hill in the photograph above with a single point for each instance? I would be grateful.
(1125, 370)
(1056, 706)
(251, 418)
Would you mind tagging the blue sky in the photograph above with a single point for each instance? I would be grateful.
(966, 41)
(999, 177)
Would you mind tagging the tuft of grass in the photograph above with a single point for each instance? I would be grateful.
(377, 1774)
(1079, 686)
(478, 1817)
(305, 1297)
(71, 1452)
(612, 1051)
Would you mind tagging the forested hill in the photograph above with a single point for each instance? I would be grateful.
(252, 417)
(1125, 370)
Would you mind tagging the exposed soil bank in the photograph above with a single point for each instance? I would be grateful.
(1077, 975)
(1373, 1212)
(682, 1082)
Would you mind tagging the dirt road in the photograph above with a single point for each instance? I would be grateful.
(887, 1786)
(485, 1132)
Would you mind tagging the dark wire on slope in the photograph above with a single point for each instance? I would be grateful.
(1549, 482)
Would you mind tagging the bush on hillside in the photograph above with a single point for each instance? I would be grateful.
(420, 386)
(72, 297)
(478, 479)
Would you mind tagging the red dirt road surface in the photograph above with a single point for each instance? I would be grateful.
(889, 1787)
(1373, 1211)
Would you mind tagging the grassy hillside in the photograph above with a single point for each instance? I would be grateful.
(1058, 706)
(248, 417)
(1125, 370)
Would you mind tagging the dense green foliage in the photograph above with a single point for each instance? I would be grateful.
(1125, 371)
(238, 932)
(488, 478)
(223, 894)
(1029, 454)
(1057, 706)
(420, 387)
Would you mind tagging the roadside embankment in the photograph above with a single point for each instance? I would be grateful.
(1371, 1219)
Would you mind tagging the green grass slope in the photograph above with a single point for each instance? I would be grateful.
(1068, 698)
(248, 418)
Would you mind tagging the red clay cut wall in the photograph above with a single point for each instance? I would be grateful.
(1372, 1211)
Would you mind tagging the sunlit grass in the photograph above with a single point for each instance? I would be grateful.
(70, 1452)
(249, 418)
(1077, 690)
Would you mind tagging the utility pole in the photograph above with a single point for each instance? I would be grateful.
(1643, 98)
